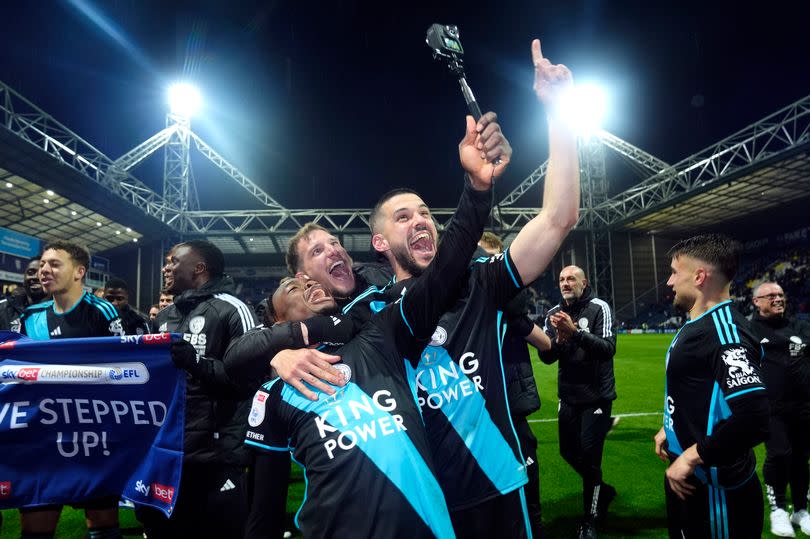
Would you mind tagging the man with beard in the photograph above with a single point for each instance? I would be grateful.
(12, 309)
(586, 387)
(786, 372)
(72, 313)
(211, 499)
(116, 292)
(716, 408)
(364, 448)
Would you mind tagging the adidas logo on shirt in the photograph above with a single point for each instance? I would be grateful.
(228, 485)
(764, 340)
(598, 411)
(335, 320)
(56, 332)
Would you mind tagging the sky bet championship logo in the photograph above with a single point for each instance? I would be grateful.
(117, 374)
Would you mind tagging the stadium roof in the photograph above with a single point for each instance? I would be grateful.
(776, 185)
(23, 208)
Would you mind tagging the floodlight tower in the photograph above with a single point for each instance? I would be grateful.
(184, 102)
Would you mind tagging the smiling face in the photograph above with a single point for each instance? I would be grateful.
(33, 288)
(406, 234)
(770, 300)
(59, 273)
(324, 260)
(181, 271)
(295, 300)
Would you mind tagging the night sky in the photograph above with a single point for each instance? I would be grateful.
(329, 104)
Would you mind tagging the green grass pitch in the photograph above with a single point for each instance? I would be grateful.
(629, 462)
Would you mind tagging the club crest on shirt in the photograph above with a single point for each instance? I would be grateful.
(257, 410)
(439, 336)
(345, 372)
(796, 346)
(116, 328)
(583, 323)
(196, 324)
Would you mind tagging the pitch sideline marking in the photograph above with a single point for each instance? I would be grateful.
(637, 414)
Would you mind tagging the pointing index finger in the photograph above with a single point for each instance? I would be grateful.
(537, 53)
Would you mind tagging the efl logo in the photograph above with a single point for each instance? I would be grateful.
(162, 492)
(5, 489)
(28, 374)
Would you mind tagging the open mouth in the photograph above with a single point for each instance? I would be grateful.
(339, 270)
(316, 294)
(422, 242)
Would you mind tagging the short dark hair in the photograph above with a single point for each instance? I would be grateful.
(211, 255)
(718, 250)
(77, 252)
(375, 212)
(292, 258)
(154, 305)
(116, 282)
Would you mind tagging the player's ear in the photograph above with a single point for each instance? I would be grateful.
(700, 276)
(379, 243)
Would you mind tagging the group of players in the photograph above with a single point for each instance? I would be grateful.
(392, 386)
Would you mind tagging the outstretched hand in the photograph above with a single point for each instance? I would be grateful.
(482, 146)
(550, 80)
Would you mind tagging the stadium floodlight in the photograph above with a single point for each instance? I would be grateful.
(583, 108)
(184, 99)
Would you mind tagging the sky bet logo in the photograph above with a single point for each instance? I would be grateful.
(162, 492)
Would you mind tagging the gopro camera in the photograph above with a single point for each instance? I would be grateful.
(444, 41)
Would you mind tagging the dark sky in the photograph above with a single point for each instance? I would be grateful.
(329, 104)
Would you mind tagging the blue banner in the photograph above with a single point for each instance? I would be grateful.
(16, 243)
(87, 418)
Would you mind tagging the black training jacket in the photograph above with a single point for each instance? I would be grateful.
(586, 359)
(786, 360)
(209, 318)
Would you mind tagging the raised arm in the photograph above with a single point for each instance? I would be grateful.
(540, 238)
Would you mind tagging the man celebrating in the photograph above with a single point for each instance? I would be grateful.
(72, 313)
(786, 372)
(211, 499)
(716, 409)
(585, 385)
(480, 465)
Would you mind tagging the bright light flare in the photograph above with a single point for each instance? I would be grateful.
(184, 99)
(583, 108)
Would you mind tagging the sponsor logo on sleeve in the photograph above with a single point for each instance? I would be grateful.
(740, 371)
(257, 410)
(5, 489)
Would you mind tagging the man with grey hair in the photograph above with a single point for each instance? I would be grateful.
(786, 373)
(583, 341)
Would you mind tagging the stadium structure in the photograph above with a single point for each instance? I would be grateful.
(55, 184)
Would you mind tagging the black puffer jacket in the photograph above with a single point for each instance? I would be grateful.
(209, 318)
(586, 360)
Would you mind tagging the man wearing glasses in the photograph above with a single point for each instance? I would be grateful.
(786, 371)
